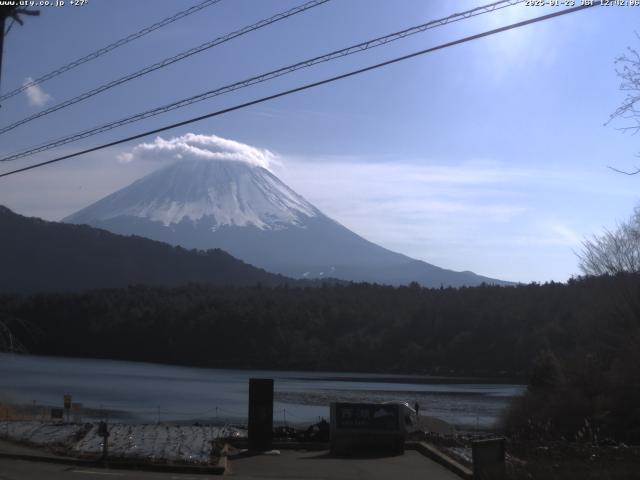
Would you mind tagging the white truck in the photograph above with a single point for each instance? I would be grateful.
(370, 428)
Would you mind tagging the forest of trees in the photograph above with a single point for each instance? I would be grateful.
(486, 330)
(357, 327)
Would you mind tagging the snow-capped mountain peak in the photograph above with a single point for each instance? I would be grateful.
(220, 192)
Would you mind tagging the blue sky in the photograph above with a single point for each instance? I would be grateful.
(489, 156)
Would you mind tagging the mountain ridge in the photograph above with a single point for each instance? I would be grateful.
(39, 255)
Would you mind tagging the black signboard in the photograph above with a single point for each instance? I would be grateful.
(57, 413)
(365, 416)
(260, 413)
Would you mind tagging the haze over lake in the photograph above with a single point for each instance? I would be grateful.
(144, 392)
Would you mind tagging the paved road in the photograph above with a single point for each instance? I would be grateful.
(289, 465)
(21, 470)
(15, 448)
(300, 465)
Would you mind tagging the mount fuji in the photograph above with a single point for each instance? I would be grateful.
(247, 211)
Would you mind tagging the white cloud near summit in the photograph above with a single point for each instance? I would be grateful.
(203, 147)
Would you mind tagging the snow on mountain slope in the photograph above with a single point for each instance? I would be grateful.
(229, 193)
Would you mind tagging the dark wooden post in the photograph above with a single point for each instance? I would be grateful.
(260, 413)
(103, 431)
(488, 459)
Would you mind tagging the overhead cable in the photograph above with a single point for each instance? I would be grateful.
(307, 86)
(166, 62)
(353, 49)
(108, 48)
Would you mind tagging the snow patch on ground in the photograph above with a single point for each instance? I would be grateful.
(156, 443)
(462, 453)
(39, 433)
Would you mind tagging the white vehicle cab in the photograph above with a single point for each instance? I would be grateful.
(409, 415)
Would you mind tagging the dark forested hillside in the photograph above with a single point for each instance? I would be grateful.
(485, 330)
(36, 255)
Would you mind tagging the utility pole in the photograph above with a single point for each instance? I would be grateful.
(3, 17)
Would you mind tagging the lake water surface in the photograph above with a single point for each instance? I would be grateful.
(134, 391)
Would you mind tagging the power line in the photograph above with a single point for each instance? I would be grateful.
(309, 86)
(360, 47)
(110, 47)
(166, 62)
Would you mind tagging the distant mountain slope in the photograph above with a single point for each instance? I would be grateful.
(247, 211)
(37, 255)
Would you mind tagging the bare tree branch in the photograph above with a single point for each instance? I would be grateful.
(628, 70)
(633, 172)
(615, 251)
